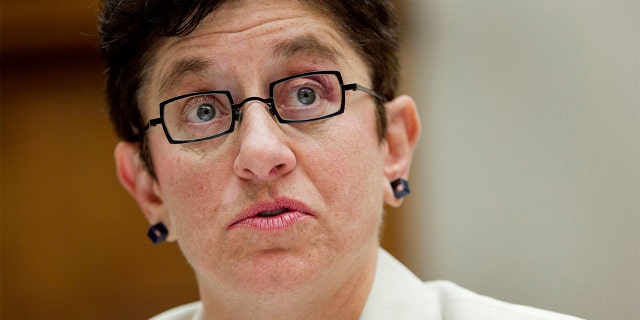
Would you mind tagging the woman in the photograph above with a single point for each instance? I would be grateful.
(264, 137)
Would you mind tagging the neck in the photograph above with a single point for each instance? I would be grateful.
(326, 297)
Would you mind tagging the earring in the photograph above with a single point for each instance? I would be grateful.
(157, 233)
(400, 188)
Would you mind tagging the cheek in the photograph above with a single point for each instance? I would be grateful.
(347, 171)
(190, 188)
(358, 156)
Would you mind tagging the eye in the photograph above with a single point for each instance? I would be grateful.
(302, 93)
(306, 96)
(205, 108)
(201, 112)
(206, 112)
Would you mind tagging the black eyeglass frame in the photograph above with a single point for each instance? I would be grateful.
(235, 108)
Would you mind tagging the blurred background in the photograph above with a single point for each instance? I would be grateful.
(526, 180)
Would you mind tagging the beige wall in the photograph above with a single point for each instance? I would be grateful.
(530, 159)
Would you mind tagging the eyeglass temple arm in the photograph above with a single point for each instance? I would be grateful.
(355, 86)
(152, 123)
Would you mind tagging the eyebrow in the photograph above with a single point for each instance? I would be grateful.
(180, 69)
(305, 42)
(286, 49)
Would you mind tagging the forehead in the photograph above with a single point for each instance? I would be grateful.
(235, 16)
(241, 33)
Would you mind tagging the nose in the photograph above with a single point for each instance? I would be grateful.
(264, 153)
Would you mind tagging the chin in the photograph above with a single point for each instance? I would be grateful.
(275, 271)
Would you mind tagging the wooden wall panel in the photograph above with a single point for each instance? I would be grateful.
(73, 241)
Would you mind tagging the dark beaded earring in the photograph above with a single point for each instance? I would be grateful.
(158, 233)
(400, 188)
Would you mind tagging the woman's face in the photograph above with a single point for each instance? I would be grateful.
(269, 206)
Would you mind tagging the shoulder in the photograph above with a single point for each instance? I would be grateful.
(191, 311)
(460, 303)
(398, 294)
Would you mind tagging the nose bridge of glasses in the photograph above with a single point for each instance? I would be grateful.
(267, 102)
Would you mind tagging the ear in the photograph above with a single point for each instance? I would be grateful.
(403, 130)
(135, 178)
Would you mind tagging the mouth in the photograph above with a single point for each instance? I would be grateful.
(270, 216)
(272, 213)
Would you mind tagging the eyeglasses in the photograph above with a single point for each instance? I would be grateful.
(206, 115)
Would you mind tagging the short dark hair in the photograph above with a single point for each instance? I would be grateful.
(131, 29)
